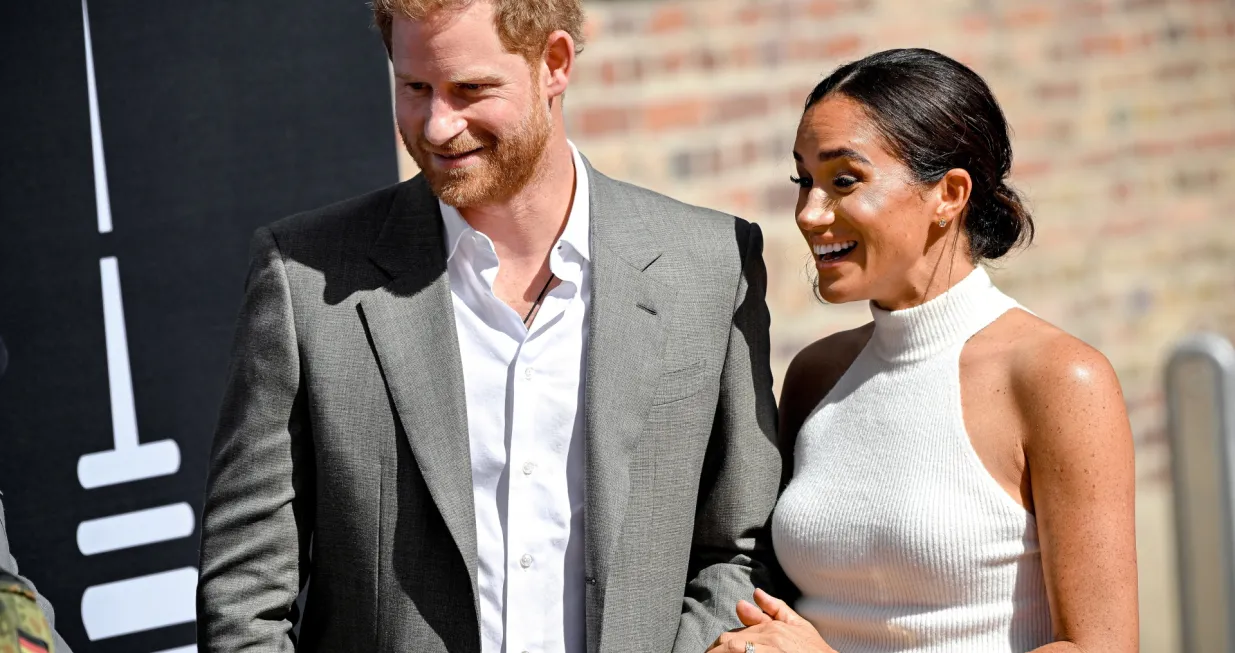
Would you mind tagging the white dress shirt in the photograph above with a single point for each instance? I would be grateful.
(525, 424)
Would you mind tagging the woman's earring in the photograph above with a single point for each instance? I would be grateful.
(943, 223)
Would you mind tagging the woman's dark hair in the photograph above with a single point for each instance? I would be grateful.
(936, 114)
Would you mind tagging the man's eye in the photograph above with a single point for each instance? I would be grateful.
(845, 181)
(471, 87)
(416, 86)
(803, 182)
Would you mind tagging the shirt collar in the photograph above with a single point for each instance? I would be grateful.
(578, 227)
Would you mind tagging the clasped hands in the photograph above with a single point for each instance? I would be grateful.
(772, 627)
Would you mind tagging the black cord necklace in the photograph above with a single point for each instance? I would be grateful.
(539, 298)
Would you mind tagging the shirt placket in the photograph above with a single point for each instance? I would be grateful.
(524, 557)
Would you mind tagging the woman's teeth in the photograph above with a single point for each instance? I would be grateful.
(835, 250)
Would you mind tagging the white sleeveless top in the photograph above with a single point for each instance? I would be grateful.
(893, 529)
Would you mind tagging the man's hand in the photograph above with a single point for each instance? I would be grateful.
(772, 627)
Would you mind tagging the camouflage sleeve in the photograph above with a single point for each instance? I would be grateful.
(23, 628)
(8, 569)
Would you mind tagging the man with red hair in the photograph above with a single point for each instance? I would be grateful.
(508, 405)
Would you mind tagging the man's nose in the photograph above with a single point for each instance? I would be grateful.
(444, 122)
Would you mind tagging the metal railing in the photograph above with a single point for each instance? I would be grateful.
(1200, 395)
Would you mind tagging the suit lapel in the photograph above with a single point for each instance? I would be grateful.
(629, 310)
(411, 323)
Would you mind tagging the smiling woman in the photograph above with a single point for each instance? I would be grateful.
(867, 130)
(963, 471)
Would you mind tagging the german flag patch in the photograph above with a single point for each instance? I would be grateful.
(31, 644)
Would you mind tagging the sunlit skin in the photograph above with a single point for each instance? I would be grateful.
(486, 127)
(852, 189)
(1043, 410)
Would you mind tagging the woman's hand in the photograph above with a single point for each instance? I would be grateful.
(772, 627)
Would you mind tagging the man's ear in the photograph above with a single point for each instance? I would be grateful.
(559, 63)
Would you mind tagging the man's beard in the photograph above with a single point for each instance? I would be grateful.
(505, 167)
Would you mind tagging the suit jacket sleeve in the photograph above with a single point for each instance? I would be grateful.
(9, 563)
(731, 552)
(257, 518)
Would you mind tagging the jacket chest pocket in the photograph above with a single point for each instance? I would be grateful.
(681, 383)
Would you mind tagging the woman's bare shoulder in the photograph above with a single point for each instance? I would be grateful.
(815, 370)
(1055, 375)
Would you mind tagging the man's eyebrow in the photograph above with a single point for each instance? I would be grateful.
(477, 78)
(464, 78)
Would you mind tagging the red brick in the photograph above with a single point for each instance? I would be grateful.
(678, 114)
(740, 107)
(1121, 191)
(844, 46)
(750, 153)
(1182, 71)
(779, 199)
(608, 73)
(1031, 16)
(591, 30)
(673, 62)
(1214, 140)
(668, 18)
(806, 49)
(1059, 90)
(749, 15)
(602, 121)
(740, 201)
(823, 8)
(621, 71)
(1028, 169)
(976, 24)
(705, 59)
(1098, 159)
(1153, 148)
(743, 55)
(1127, 227)
(796, 97)
(1103, 44)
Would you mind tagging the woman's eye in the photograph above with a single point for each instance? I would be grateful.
(844, 181)
(802, 182)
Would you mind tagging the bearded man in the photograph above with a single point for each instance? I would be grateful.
(508, 405)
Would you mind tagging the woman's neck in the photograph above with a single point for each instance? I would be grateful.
(926, 281)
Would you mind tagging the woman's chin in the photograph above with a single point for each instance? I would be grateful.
(838, 292)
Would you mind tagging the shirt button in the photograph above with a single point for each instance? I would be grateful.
(528, 468)
(527, 373)
(525, 561)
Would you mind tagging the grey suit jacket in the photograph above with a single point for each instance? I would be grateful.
(344, 423)
(9, 563)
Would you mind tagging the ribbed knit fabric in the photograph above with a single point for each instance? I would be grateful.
(895, 532)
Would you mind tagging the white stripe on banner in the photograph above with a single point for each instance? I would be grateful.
(135, 529)
(139, 604)
(130, 460)
(102, 198)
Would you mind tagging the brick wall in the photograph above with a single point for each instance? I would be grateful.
(1124, 119)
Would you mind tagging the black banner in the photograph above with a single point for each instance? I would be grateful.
(140, 145)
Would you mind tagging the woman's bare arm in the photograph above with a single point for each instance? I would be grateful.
(1080, 457)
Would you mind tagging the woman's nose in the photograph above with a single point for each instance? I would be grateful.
(817, 211)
